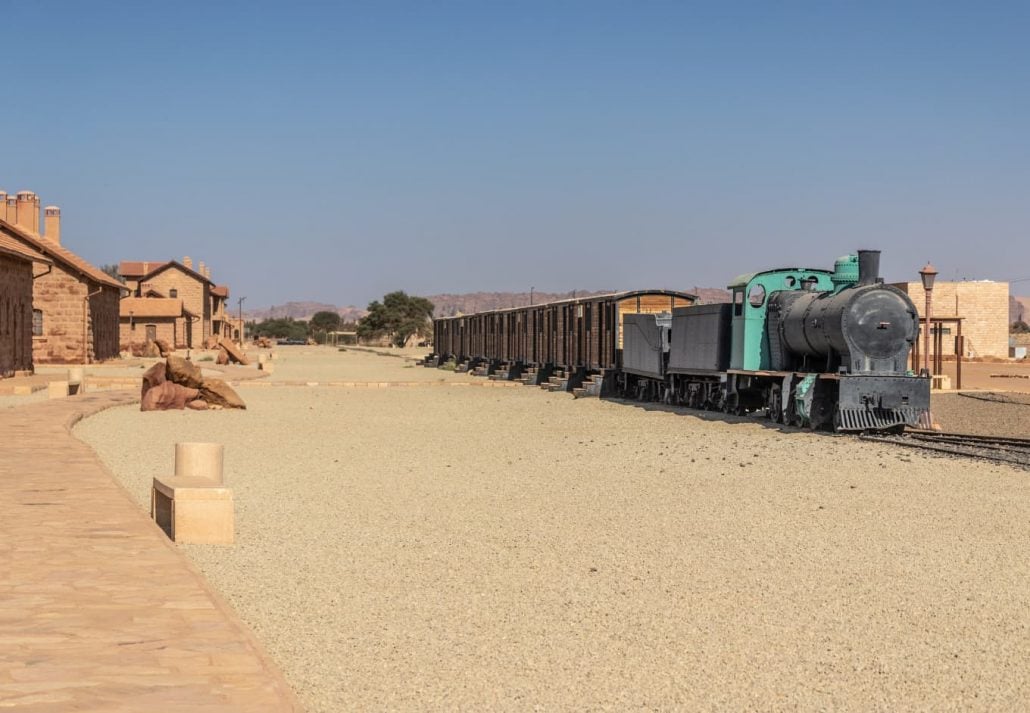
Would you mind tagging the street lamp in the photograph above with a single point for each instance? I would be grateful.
(927, 274)
(239, 304)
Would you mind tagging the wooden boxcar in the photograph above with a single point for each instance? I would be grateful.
(583, 333)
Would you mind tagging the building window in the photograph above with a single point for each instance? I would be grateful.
(37, 323)
(173, 293)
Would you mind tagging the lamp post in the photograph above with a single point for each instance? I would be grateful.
(927, 274)
(531, 296)
(239, 304)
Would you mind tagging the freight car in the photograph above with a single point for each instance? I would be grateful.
(807, 347)
(570, 344)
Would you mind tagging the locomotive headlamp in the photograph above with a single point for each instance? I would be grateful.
(928, 274)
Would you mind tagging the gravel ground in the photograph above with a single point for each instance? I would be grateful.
(322, 364)
(472, 549)
(976, 413)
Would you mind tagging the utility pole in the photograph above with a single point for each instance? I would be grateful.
(531, 296)
(239, 303)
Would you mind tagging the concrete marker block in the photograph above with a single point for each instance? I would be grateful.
(57, 389)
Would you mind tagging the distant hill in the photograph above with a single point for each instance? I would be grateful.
(303, 311)
(1019, 309)
(448, 305)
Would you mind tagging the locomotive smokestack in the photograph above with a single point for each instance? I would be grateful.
(868, 266)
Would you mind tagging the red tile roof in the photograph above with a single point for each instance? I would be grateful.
(220, 291)
(134, 270)
(144, 270)
(61, 254)
(10, 246)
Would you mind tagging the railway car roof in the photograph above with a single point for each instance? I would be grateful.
(578, 300)
(742, 280)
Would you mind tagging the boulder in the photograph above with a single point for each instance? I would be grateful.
(167, 395)
(223, 357)
(211, 342)
(218, 393)
(154, 376)
(197, 405)
(235, 354)
(184, 372)
(150, 349)
(164, 347)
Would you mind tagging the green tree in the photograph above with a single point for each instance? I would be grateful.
(112, 270)
(281, 328)
(398, 316)
(322, 323)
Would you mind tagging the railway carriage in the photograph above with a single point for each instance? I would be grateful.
(804, 346)
(570, 341)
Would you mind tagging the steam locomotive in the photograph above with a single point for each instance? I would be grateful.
(807, 347)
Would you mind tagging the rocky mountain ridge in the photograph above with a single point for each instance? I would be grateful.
(451, 304)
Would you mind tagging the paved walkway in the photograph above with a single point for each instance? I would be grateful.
(98, 610)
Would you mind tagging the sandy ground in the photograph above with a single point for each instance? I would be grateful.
(468, 548)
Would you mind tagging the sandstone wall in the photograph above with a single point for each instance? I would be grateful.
(984, 307)
(15, 316)
(194, 295)
(68, 319)
(60, 295)
(165, 327)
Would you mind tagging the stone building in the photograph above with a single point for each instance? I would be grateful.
(17, 268)
(75, 304)
(149, 318)
(202, 300)
(984, 307)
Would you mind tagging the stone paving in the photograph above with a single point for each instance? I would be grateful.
(98, 610)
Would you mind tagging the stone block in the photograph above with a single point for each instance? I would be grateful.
(193, 510)
(200, 460)
(57, 389)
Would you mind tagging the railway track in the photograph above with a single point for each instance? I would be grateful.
(1012, 451)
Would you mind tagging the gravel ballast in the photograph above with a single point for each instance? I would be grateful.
(474, 548)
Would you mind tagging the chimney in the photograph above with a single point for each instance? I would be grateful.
(188, 262)
(200, 268)
(868, 266)
(28, 211)
(3, 206)
(12, 210)
(207, 272)
(52, 223)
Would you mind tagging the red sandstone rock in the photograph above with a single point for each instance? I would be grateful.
(197, 405)
(218, 393)
(166, 396)
(234, 353)
(164, 346)
(154, 376)
(184, 372)
(150, 349)
(223, 357)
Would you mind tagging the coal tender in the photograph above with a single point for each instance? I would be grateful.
(807, 347)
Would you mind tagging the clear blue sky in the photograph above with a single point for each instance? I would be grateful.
(336, 151)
